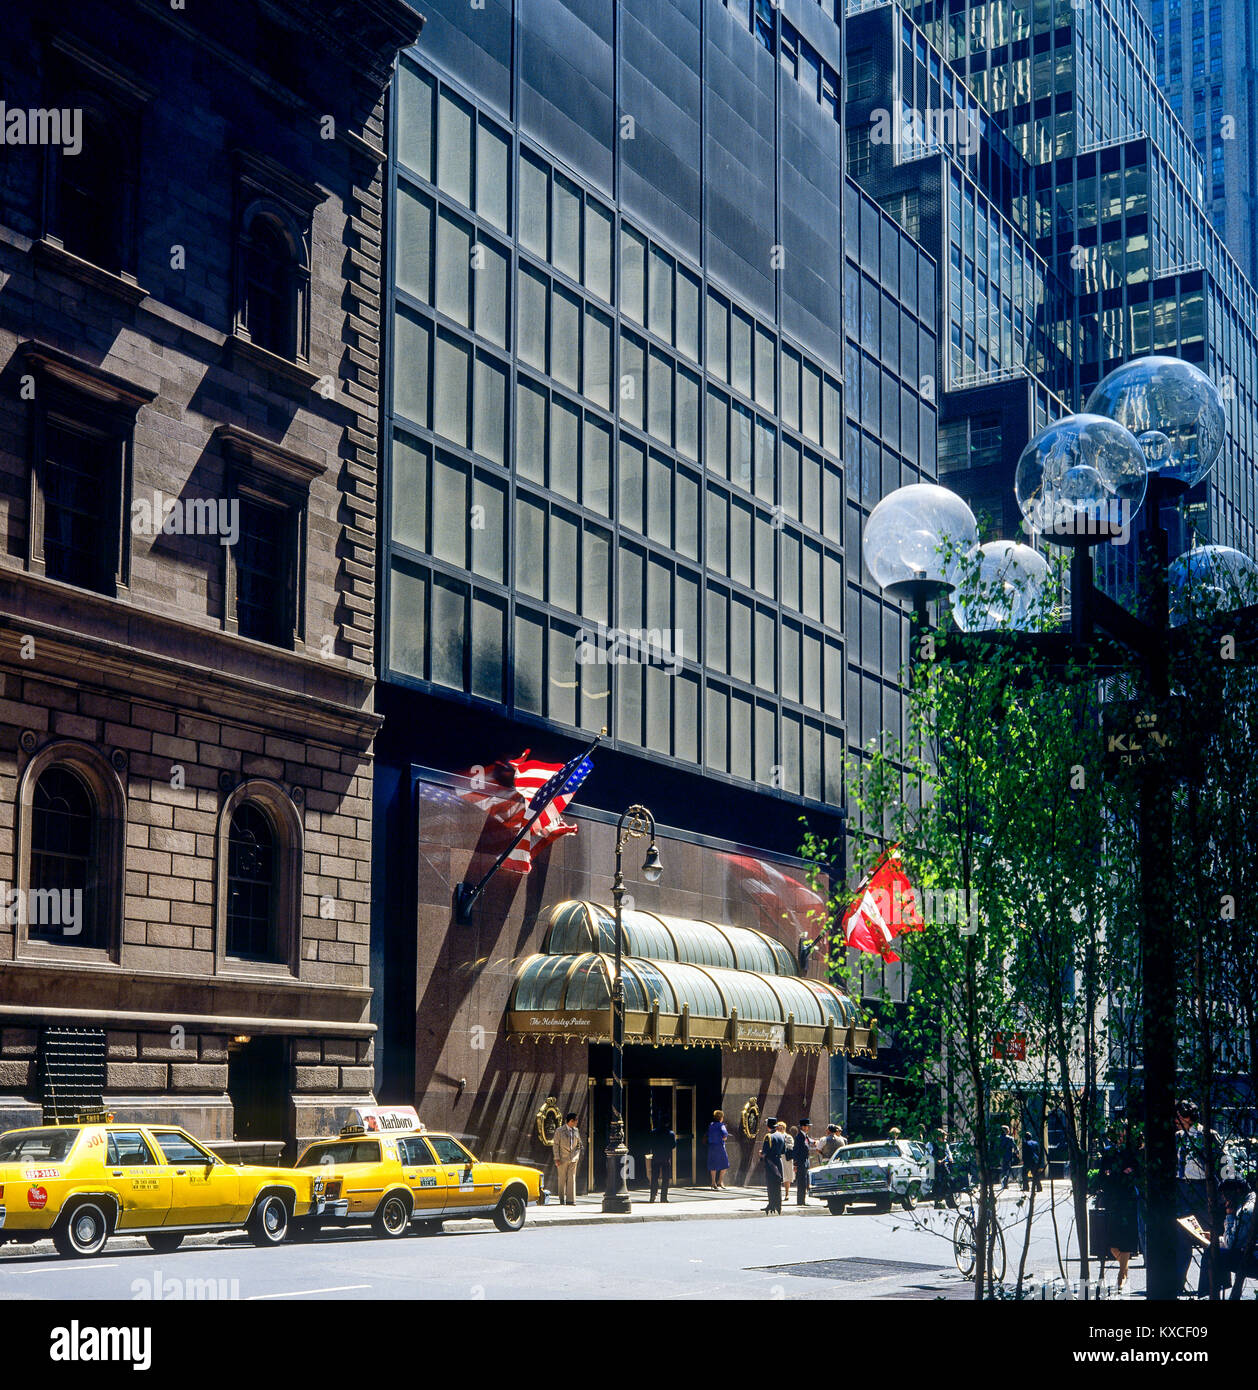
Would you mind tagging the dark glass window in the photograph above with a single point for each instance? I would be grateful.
(263, 608)
(76, 506)
(63, 853)
(90, 185)
(269, 308)
(252, 883)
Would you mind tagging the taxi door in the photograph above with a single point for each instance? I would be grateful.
(468, 1183)
(357, 1165)
(203, 1190)
(425, 1177)
(142, 1184)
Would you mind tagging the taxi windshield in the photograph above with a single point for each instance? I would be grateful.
(854, 1153)
(23, 1145)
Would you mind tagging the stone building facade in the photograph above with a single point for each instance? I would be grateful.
(190, 267)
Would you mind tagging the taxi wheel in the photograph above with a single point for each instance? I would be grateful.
(393, 1217)
(269, 1223)
(837, 1206)
(83, 1231)
(510, 1211)
(165, 1241)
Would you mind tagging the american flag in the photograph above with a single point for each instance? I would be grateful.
(511, 791)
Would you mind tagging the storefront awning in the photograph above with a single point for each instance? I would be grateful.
(684, 983)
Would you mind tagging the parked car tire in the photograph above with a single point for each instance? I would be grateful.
(82, 1231)
(837, 1205)
(393, 1216)
(909, 1200)
(270, 1221)
(510, 1212)
(165, 1242)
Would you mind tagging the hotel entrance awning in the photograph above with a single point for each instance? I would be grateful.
(685, 982)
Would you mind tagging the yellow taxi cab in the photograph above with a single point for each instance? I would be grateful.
(82, 1182)
(389, 1169)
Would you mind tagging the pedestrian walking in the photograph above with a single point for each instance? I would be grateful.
(831, 1144)
(718, 1157)
(804, 1145)
(772, 1153)
(567, 1146)
(1008, 1155)
(662, 1146)
(1032, 1162)
(1117, 1198)
(941, 1152)
(1194, 1150)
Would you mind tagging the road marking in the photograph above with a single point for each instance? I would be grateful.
(303, 1293)
(56, 1269)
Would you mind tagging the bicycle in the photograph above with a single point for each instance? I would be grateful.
(965, 1241)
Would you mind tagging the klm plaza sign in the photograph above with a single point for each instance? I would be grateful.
(1132, 736)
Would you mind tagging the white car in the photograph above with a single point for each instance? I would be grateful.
(879, 1172)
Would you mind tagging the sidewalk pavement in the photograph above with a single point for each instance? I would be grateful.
(694, 1204)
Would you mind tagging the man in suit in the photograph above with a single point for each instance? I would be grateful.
(804, 1146)
(1032, 1162)
(832, 1143)
(771, 1153)
(567, 1146)
(663, 1143)
(1008, 1152)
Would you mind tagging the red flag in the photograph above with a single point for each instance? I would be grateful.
(883, 908)
(504, 791)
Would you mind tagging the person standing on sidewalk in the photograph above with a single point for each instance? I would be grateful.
(832, 1143)
(772, 1153)
(718, 1157)
(1032, 1162)
(804, 1146)
(663, 1145)
(1008, 1153)
(566, 1146)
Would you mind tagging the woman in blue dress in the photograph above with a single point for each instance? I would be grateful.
(718, 1159)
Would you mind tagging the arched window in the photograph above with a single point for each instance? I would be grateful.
(252, 883)
(92, 186)
(270, 291)
(61, 891)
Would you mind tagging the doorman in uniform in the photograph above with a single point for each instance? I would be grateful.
(804, 1146)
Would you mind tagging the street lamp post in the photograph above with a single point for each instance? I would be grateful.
(1157, 429)
(636, 823)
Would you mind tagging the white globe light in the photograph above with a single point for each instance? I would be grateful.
(1170, 397)
(914, 540)
(1081, 480)
(1211, 579)
(1006, 590)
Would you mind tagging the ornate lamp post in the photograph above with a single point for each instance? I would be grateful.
(636, 823)
(1152, 429)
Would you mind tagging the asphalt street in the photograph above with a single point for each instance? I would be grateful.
(796, 1256)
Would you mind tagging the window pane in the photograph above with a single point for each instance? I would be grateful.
(790, 389)
(534, 208)
(530, 547)
(489, 529)
(565, 425)
(658, 713)
(493, 186)
(765, 393)
(528, 662)
(659, 499)
(415, 98)
(812, 403)
(409, 489)
(407, 622)
(686, 718)
(715, 733)
(717, 523)
(489, 279)
(631, 592)
(598, 250)
(565, 335)
(566, 227)
(660, 399)
(454, 255)
(632, 274)
(740, 450)
(659, 598)
(740, 638)
(716, 616)
(488, 621)
(596, 575)
(449, 510)
(597, 358)
(686, 615)
(632, 462)
(449, 617)
(454, 148)
(661, 288)
(764, 461)
(489, 419)
(740, 354)
(597, 465)
(687, 414)
(414, 243)
(450, 387)
(718, 337)
(764, 557)
(563, 561)
(561, 687)
(686, 513)
(766, 663)
(716, 446)
(688, 314)
(531, 319)
(632, 386)
(530, 431)
(740, 542)
(413, 343)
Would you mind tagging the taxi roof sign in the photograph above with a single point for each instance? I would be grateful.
(382, 1119)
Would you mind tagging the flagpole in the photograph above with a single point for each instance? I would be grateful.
(466, 894)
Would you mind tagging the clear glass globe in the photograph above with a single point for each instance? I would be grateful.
(1156, 448)
(1081, 481)
(915, 538)
(1003, 586)
(1211, 579)
(1167, 396)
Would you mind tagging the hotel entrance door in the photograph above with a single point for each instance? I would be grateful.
(647, 1099)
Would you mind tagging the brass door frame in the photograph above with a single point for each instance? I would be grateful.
(671, 1081)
